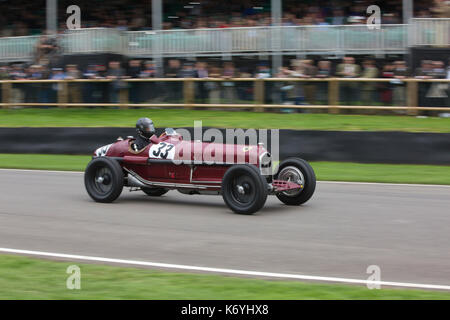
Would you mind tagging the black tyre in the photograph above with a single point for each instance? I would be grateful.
(244, 190)
(299, 171)
(103, 179)
(155, 192)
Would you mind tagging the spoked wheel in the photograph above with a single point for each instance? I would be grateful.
(298, 171)
(103, 179)
(155, 192)
(244, 190)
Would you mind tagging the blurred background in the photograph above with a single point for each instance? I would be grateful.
(361, 102)
(268, 54)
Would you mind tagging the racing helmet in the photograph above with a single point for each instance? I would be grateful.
(145, 127)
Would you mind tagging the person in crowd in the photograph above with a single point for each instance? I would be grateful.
(17, 89)
(149, 70)
(283, 87)
(263, 72)
(368, 88)
(385, 88)
(133, 72)
(348, 90)
(213, 86)
(448, 84)
(150, 90)
(173, 69)
(310, 87)
(441, 8)
(437, 93)
(57, 74)
(229, 89)
(74, 89)
(448, 69)
(323, 71)
(46, 48)
(4, 74)
(188, 70)
(174, 89)
(338, 17)
(115, 73)
(401, 72)
(134, 68)
(202, 88)
(424, 72)
(297, 92)
(36, 92)
(91, 90)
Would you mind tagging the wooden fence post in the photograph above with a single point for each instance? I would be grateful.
(123, 96)
(258, 89)
(333, 96)
(188, 92)
(412, 96)
(6, 93)
(62, 93)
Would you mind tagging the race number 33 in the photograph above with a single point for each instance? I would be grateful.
(162, 150)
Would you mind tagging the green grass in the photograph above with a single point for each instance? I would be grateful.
(334, 171)
(224, 119)
(30, 278)
(44, 162)
(395, 173)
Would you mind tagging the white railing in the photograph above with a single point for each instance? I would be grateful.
(345, 39)
(431, 32)
(92, 40)
(266, 40)
(17, 48)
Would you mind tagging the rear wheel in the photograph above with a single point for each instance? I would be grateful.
(244, 190)
(103, 179)
(298, 171)
(155, 192)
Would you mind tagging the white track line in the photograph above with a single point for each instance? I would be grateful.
(223, 270)
(388, 184)
(41, 171)
(323, 181)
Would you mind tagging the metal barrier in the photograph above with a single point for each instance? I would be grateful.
(318, 39)
(431, 32)
(17, 48)
(92, 40)
(247, 93)
(355, 39)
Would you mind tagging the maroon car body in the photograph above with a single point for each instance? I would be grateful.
(243, 174)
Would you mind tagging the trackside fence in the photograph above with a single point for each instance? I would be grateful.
(330, 94)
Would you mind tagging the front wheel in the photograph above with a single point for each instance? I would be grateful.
(103, 179)
(244, 190)
(298, 171)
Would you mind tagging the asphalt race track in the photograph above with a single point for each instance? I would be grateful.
(345, 227)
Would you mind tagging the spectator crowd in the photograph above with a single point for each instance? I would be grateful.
(24, 17)
(390, 92)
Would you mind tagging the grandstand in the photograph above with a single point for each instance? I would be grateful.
(251, 34)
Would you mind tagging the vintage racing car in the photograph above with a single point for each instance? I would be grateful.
(242, 174)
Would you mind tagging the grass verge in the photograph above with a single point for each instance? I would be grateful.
(333, 171)
(223, 119)
(31, 278)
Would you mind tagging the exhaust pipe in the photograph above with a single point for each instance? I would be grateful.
(133, 182)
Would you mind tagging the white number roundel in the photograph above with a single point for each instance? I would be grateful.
(162, 150)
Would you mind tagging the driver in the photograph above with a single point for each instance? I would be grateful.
(145, 129)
